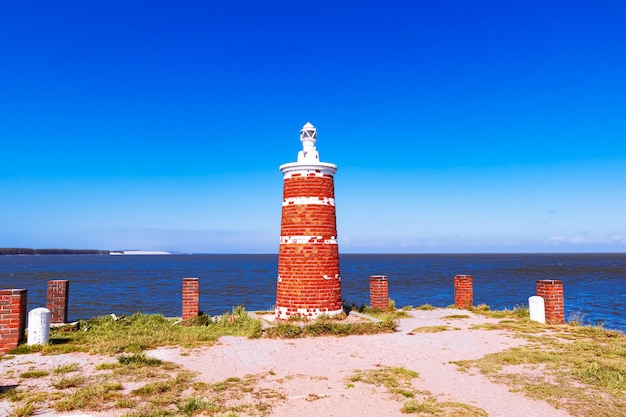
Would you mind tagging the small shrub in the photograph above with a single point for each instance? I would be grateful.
(69, 382)
(192, 405)
(34, 374)
(25, 409)
(139, 359)
(63, 369)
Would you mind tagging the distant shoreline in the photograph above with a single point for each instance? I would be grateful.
(30, 251)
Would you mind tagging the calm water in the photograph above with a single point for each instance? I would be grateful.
(594, 284)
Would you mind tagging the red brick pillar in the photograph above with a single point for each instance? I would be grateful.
(12, 318)
(191, 297)
(308, 260)
(58, 291)
(551, 290)
(379, 292)
(463, 291)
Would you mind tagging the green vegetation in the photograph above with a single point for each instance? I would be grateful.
(519, 312)
(67, 368)
(431, 329)
(164, 390)
(34, 374)
(138, 332)
(22, 409)
(389, 313)
(330, 326)
(580, 369)
(456, 316)
(398, 383)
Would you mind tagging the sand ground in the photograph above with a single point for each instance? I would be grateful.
(313, 373)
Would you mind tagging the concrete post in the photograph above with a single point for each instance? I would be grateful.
(536, 308)
(38, 326)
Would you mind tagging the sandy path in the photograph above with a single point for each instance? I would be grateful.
(320, 367)
(313, 373)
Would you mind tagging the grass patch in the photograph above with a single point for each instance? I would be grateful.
(93, 397)
(456, 316)
(69, 382)
(25, 409)
(581, 369)
(431, 406)
(138, 332)
(519, 312)
(193, 405)
(138, 360)
(431, 329)
(34, 374)
(66, 368)
(398, 382)
(328, 326)
(426, 307)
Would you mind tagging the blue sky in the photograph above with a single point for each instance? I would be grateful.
(457, 126)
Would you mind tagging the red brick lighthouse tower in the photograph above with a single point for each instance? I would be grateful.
(308, 260)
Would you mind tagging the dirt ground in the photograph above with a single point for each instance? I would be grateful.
(315, 375)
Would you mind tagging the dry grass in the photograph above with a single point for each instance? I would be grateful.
(431, 329)
(398, 383)
(162, 389)
(580, 369)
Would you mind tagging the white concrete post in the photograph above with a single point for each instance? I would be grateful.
(38, 326)
(536, 307)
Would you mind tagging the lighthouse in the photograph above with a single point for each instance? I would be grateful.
(309, 284)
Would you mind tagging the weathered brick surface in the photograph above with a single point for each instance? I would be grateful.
(310, 220)
(191, 298)
(551, 290)
(12, 318)
(309, 186)
(379, 292)
(463, 291)
(57, 300)
(308, 272)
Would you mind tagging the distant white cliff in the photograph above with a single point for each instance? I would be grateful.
(139, 252)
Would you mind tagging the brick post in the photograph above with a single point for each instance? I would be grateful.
(379, 292)
(58, 292)
(191, 297)
(308, 281)
(12, 318)
(551, 290)
(463, 291)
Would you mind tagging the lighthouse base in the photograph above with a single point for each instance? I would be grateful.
(284, 313)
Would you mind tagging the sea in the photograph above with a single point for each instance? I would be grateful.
(594, 284)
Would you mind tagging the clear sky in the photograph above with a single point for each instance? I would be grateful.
(457, 126)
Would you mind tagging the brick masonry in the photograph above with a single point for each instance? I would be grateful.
(12, 318)
(379, 292)
(551, 290)
(57, 300)
(309, 282)
(463, 291)
(191, 298)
